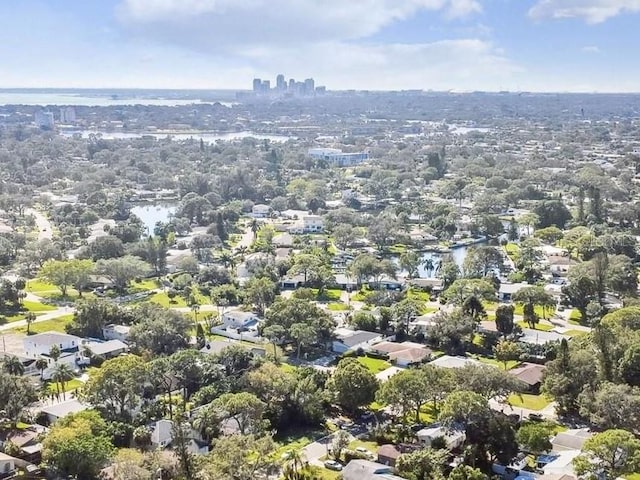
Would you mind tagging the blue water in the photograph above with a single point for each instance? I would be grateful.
(152, 214)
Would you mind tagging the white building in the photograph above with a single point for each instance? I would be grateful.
(347, 339)
(454, 439)
(260, 211)
(312, 224)
(7, 464)
(238, 319)
(43, 119)
(67, 115)
(116, 332)
(41, 343)
(337, 157)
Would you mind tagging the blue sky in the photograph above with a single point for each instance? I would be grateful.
(536, 45)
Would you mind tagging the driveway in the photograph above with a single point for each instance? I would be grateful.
(320, 448)
(43, 223)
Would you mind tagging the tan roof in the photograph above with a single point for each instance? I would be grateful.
(389, 451)
(411, 354)
(529, 373)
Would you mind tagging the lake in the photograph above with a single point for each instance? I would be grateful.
(152, 214)
(205, 137)
(458, 254)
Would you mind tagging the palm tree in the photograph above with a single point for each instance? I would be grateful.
(55, 353)
(195, 308)
(13, 366)
(429, 265)
(255, 226)
(29, 319)
(41, 364)
(227, 260)
(294, 468)
(62, 373)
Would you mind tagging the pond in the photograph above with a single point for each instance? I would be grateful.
(151, 214)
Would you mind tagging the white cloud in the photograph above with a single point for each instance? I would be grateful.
(591, 49)
(592, 11)
(220, 24)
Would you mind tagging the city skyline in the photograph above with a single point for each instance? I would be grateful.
(465, 45)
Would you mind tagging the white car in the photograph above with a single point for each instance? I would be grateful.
(364, 451)
(333, 465)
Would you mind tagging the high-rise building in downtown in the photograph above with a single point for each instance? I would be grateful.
(281, 83)
(43, 119)
(67, 115)
(292, 83)
(257, 85)
(266, 86)
(309, 86)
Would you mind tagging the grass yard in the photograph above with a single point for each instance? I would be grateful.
(374, 365)
(146, 284)
(492, 361)
(418, 295)
(70, 386)
(39, 286)
(161, 298)
(575, 317)
(37, 306)
(427, 414)
(337, 306)
(296, 441)
(54, 325)
(538, 309)
(529, 401)
(575, 333)
(543, 327)
(512, 249)
(286, 367)
(329, 294)
(371, 446)
(320, 473)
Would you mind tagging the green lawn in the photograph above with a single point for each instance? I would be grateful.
(161, 298)
(37, 306)
(538, 309)
(575, 333)
(287, 367)
(371, 446)
(70, 386)
(374, 365)
(418, 295)
(575, 317)
(296, 441)
(492, 361)
(531, 402)
(337, 306)
(39, 286)
(543, 327)
(54, 325)
(330, 294)
(320, 473)
(427, 414)
(146, 284)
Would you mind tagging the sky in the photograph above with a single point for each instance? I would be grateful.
(461, 45)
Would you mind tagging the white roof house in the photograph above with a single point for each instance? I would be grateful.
(447, 361)
(348, 339)
(60, 410)
(116, 332)
(453, 438)
(41, 343)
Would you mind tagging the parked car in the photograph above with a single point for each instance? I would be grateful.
(364, 451)
(333, 465)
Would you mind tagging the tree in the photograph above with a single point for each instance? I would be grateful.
(485, 380)
(629, 367)
(472, 306)
(116, 388)
(552, 213)
(465, 472)
(58, 272)
(91, 315)
(352, 384)
(261, 292)
(451, 330)
(448, 271)
(505, 351)
(106, 247)
(535, 437)
(532, 297)
(41, 364)
(613, 452)
(62, 374)
(240, 457)
(463, 288)
(406, 392)
(29, 318)
(404, 312)
(612, 406)
(504, 319)
(81, 271)
(16, 392)
(410, 262)
(302, 334)
(54, 352)
(77, 446)
(12, 365)
(275, 334)
(341, 440)
(159, 330)
(245, 409)
(424, 464)
(481, 261)
(287, 312)
(122, 270)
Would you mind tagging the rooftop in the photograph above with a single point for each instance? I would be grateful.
(447, 361)
(51, 338)
(65, 408)
(353, 338)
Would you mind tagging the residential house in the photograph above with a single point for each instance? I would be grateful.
(347, 339)
(7, 465)
(309, 224)
(570, 440)
(453, 438)
(388, 455)
(292, 282)
(108, 349)
(447, 361)
(161, 433)
(116, 332)
(367, 470)
(530, 374)
(387, 283)
(40, 345)
(260, 211)
(507, 290)
(405, 353)
(27, 440)
(62, 409)
(241, 321)
(540, 337)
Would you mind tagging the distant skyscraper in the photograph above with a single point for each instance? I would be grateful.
(309, 86)
(266, 86)
(67, 115)
(281, 83)
(257, 85)
(43, 119)
(292, 84)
